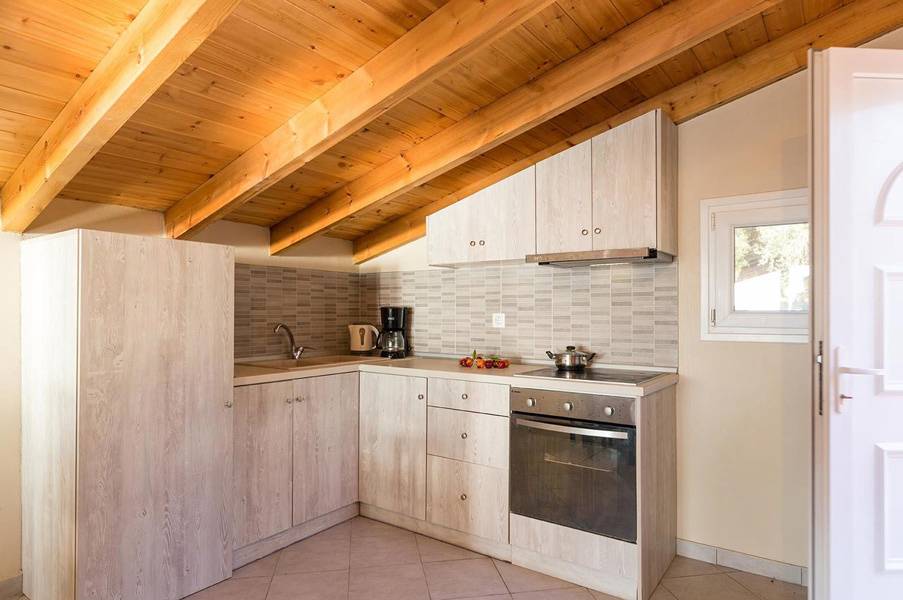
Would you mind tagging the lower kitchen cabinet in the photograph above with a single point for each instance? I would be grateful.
(325, 445)
(468, 497)
(262, 450)
(393, 443)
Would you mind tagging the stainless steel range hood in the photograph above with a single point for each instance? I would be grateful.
(600, 257)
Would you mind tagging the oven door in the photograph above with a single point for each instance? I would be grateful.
(577, 474)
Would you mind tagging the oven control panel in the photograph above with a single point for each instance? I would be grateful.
(618, 410)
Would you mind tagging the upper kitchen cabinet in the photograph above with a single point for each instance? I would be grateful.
(564, 201)
(495, 224)
(614, 192)
(635, 185)
(127, 366)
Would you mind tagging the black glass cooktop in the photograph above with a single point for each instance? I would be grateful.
(620, 376)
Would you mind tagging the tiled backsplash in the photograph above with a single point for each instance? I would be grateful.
(317, 305)
(626, 313)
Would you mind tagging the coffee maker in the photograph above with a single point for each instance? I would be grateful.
(391, 338)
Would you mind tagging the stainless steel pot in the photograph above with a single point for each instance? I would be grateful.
(571, 359)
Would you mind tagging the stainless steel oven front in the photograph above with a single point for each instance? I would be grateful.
(573, 460)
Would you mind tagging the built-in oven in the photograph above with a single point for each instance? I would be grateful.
(573, 461)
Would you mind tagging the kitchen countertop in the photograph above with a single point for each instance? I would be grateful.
(450, 369)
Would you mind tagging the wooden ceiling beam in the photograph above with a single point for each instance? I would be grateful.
(851, 25)
(656, 37)
(440, 42)
(151, 48)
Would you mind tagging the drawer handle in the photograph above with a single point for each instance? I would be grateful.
(228, 404)
(464, 436)
(463, 396)
(463, 496)
(420, 396)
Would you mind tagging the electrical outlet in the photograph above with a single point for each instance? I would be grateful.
(498, 320)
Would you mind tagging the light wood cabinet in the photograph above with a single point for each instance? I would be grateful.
(634, 176)
(262, 450)
(469, 498)
(325, 445)
(393, 443)
(564, 200)
(127, 361)
(466, 436)
(494, 224)
(616, 191)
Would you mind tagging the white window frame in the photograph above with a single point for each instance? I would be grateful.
(718, 218)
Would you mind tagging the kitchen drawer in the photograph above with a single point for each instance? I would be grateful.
(471, 437)
(467, 497)
(491, 398)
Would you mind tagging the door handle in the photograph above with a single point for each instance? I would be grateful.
(842, 368)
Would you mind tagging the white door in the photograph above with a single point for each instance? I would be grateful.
(857, 220)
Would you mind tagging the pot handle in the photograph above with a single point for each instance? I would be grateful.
(550, 355)
(591, 356)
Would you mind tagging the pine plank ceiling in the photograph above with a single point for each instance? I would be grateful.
(268, 60)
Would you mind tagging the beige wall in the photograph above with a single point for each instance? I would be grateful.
(743, 408)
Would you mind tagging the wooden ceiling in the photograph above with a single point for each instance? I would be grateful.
(229, 114)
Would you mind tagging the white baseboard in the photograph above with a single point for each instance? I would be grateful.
(11, 589)
(744, 562)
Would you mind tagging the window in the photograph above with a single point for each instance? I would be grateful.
(755, 267)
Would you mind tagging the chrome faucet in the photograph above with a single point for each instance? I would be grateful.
(296, 350)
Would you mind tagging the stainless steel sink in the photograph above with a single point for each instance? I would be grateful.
(313, 361)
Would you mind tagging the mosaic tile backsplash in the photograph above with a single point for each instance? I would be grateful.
(626, 313)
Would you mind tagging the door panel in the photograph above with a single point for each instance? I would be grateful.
(154, 490)
(263, 461)
(325, 442)
(624, 185)
(564, 199)
(858, 252)
(393, 443)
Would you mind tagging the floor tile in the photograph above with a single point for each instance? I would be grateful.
(769, 589)
(707, 587)
(399, 582)
(386, 550)
(687, 567)
(362, 527)
(249, 588)
(524, 580)
(265, 567)
(661, 593)
(463, 579)
(603, 596)
(433, 550)
(317, 553)
(331, 585)
(572, 593)
(340, 531)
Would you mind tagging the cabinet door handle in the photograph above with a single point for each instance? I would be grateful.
(420, 396)
(299, 399)
(464, 436)
(585, 232)
(482, 242)
(289, 400)
(473, 243)
(463, 496)
(598, 230)
(228, 404)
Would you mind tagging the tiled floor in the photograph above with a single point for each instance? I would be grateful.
(363, 559)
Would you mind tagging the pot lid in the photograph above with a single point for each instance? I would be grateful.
(572, 351)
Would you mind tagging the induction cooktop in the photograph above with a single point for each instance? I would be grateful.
(615, 376)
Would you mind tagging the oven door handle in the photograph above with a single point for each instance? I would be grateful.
(597, 433)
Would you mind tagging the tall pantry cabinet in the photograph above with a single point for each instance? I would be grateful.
(127, 363)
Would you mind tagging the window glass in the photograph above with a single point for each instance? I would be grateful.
(771, 268)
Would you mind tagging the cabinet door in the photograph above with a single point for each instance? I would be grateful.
(154, 492)
(447, 236)
(503, 219)
(393, 443)
(564, 196)
(624, 185)
(326, 439)
(263, 461)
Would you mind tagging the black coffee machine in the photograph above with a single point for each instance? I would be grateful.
(391, 337)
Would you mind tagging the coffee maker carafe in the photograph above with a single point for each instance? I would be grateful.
(391, 338)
